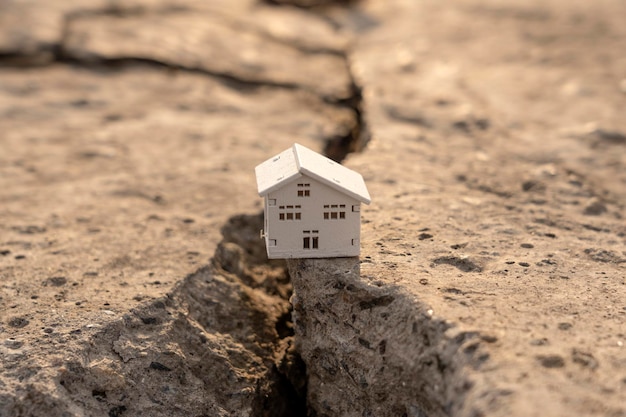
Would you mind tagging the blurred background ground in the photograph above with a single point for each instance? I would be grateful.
(493, 142)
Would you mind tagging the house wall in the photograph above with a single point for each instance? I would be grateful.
(336, 236)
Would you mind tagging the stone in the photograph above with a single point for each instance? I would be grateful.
(371, 349)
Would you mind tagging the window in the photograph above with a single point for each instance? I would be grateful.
(356, 208)
(304, 190)
(272, 242)
(334, 211)
(310, 240)
(291, 212)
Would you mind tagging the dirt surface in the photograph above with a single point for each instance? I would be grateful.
(496, 164)
(503, 192)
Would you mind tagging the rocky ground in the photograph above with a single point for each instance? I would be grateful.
(491, 280)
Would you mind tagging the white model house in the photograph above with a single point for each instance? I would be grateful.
(312, 205)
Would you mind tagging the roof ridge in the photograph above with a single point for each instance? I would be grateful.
(296, 156)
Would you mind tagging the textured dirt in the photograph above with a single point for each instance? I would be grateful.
(503, 192)
(495, 244)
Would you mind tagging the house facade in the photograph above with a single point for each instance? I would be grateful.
(312, 205)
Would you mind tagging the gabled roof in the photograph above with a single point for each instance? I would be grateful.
(297, 161)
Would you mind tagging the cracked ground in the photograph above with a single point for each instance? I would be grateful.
(492, 139)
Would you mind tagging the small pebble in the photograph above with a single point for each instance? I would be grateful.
(539, 342)
(551, 361)
(13, 344)
(18, 322)
(595, 208)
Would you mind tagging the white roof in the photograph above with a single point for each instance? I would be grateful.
(297, 161)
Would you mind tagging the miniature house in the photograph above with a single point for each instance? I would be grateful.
(312, 205)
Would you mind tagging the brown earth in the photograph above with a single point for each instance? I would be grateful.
(492, 271)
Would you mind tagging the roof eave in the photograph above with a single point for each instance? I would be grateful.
(362, 198)
(281, 183)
